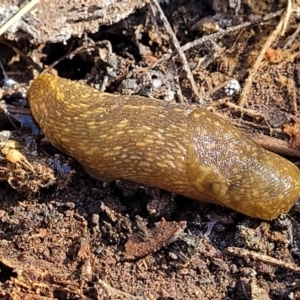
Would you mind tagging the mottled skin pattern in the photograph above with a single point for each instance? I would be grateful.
(182, 149)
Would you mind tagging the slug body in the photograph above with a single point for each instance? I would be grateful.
(179, 148)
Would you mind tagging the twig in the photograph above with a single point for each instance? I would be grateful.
(287, 16)
(113, 292)
(254, 69)
(12, 109)
(276, 145)
(291, 38)
(273, 144)
(289, 58)
(291, 89)
(262, 257)
(78, 50)
(18, 15)
(176, 80)
(218, 34)
(19, 52)
(4, 110)
(230, 29)
(249, 112)
(7, 80)
(179, 50)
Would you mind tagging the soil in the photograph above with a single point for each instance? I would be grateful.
(64, 235)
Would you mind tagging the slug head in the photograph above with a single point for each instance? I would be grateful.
(232, 170)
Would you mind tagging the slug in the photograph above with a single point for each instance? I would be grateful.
(178, 148)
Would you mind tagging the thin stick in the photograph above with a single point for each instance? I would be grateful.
(249, 112)
(292, 38)
(254, 69)
(179, 50)
(19, 52)
(176, 80)
(219, 34)
(275, 145)
(78, 50)
(262, 257)
(113, 292)
(18, 15)
(287, 16)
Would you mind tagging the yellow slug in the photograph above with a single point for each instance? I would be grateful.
(179, 148)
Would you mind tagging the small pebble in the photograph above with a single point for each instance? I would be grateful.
(232, 88)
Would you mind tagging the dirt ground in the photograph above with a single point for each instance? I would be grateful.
(64, 235)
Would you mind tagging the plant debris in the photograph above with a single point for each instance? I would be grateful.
(67, 236)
